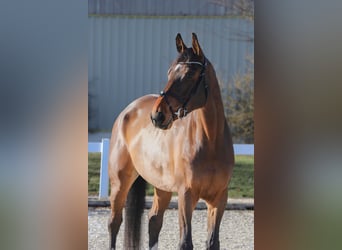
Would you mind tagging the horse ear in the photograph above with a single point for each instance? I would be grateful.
(180, 44)
(195, 46)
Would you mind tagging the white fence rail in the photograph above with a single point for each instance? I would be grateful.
(103, 148)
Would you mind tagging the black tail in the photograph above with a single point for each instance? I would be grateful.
(134, 209)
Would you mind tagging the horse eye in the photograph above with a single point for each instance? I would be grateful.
(187, 76)
(190, 74)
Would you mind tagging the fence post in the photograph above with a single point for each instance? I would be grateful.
(243, 149)
(104, 179)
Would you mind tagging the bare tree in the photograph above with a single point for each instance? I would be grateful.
(244, 8)
(239, 106)
(239, 95)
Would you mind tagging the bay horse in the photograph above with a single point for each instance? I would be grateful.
(179, 142)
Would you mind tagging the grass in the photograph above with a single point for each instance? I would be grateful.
(94, 161)
(241, 184)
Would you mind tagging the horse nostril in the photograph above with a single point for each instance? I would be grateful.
(160, 117)
(153, 120)
(157, 118)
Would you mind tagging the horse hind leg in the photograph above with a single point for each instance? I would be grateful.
(215, 213)
(161, 201)
(122, 175)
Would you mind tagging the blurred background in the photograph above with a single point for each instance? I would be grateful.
(44, 52)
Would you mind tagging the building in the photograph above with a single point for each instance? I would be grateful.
(132, 43)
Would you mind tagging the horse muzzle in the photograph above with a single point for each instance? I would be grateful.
(158, 120)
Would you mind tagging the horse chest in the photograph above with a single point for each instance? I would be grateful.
(162, 164)
(169, 161)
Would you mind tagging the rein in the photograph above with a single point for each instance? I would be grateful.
(182, 111)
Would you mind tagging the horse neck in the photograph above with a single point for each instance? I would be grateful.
(212, 114)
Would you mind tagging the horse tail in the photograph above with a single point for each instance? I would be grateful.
(134, 209)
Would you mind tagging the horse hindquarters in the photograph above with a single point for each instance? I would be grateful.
(122, 175)
(117, 201)
(133, 212)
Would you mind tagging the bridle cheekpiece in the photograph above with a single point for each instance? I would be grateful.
(182, 111)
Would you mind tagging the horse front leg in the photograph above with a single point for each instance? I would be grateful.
(161, 201)
(186, 205)
(215, 213)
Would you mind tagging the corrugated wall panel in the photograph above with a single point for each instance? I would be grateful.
(129, 56)
(164, 7)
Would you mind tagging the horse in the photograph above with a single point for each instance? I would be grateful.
(178, 141)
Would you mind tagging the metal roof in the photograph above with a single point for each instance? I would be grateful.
(163, 7)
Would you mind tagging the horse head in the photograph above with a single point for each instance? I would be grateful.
(186, 89)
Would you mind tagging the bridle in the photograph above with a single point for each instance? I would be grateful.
(182, 111)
